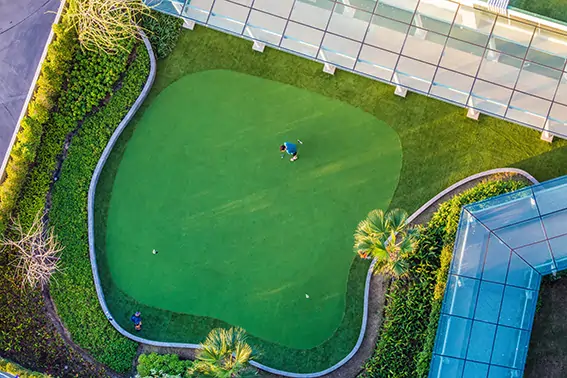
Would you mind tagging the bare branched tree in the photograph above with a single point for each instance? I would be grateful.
(37, 251)
(106, 25)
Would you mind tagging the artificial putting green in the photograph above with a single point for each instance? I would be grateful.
(242, 235)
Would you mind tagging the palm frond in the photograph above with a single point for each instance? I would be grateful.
(396, 219)
(223, 354)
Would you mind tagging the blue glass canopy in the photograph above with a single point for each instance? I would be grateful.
(504, 246)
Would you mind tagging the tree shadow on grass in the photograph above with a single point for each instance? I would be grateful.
(541, 168)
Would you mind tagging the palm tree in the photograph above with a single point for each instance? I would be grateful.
(386, 238)
(224, 354)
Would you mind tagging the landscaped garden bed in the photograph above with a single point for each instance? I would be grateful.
(81, 97)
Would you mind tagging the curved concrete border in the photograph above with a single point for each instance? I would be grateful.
(90, 210)
(469, 179)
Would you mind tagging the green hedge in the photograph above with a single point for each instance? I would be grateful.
(157, 365)
(89, 81)
(50, 83)
(412, 312)
(163, 32)
(74, 292)
(9, 367)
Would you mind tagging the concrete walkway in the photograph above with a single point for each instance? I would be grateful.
(24, 28)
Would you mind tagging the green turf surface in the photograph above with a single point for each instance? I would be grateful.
(440, 147)
(243, 235)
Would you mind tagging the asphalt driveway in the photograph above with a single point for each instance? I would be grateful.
(24, 28)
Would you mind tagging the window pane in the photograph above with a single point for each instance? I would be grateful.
(548, 48)
(472, 240)
(481, 340)
(499, 372)
(264, 27)
(504, 354)
(435, 15)
(500, 69)
(538, 256)
(302, 39)
(528, 109)
(314, 14)
(474, 370)
(511, 37)
(280, 8)
(367, 5)
(506, 209)
(229, 16)
(376, 62)
(490, 98)
(559, 249)
(452, 336)
(462, 57)
(423, 45)
(518, 307)
(550, 197)
(539, 80)
(523, 233)
(557, 121)
(339, 51)
(445, 367)
(473, 25)
(496, 263)
(401, 10)
(521, 274)
(387, 34)
(349, 22)
(561, 95)
(489, 301)
(413, 74)
(198, 10)
(452, 86)
(460, 296)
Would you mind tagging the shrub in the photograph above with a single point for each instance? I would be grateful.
(163, 31)
(153, 364)
(15, 369)
(89, 81)
(49, 85)
(68, 215)
(412, 313)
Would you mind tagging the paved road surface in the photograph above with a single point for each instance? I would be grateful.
(24, 28)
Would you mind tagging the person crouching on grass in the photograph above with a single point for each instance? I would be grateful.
(137, 320)
(291, 149)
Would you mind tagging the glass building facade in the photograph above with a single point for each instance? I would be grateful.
(510, 66)
(504, 246)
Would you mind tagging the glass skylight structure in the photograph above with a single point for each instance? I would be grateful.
(510, 66)
(504, 245)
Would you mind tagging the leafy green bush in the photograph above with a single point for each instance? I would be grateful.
(153, 364)
(74, 292)
(15, 369)
(412, 313)
(89, 81)
(49, 85)
(163, 31)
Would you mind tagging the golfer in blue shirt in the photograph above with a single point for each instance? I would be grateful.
(137, 320)
(291, 149)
